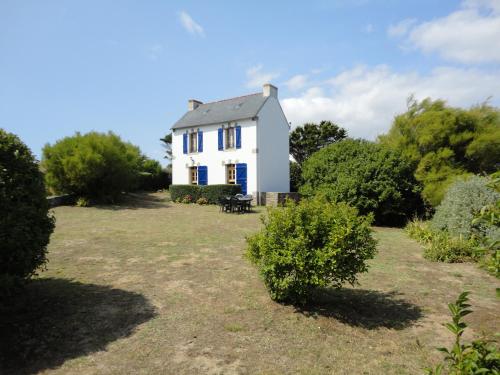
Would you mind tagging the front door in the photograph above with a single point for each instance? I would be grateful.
(241, 177)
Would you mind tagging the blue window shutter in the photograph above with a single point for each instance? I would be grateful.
(221, 140)
(185, 143)
(241, 176)
(202, 175)
(238, 136)
(200, 141)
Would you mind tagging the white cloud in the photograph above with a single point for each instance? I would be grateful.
(365, 100)
(401, 28)
(191, 25)
(369, 28)
(297, 82)
(256, 77)
(468, 35)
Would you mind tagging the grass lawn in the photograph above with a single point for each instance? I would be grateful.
(155, 287)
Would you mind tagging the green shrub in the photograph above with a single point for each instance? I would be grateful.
(214, 192)
(187, 199)
(479, 357)
(211, 192)
(365, 175)
(202, 201)
(178, 192)
(461, 204)
(25, 222)
(309, 245)
(82, 202)
(488, 246)
(94, 165)
(295, 176)
(152, 177)
(439, 246)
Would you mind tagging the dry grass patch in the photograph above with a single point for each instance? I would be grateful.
(154, 287)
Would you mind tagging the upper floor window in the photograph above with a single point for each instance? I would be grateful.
(193, 142)
(229, 138)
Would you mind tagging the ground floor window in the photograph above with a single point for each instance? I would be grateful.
(193, 175)
(231, 174)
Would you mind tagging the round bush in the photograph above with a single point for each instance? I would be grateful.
(367, 176)
(461, 204)
(93, 165)
(310, 245)
(25, 222)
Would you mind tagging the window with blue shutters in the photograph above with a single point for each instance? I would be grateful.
(221, 139)
(200, 141)
(185, 143)
(238, 136)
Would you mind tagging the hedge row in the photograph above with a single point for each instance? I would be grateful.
(211, 192)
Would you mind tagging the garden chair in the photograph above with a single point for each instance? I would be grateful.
(236, 205)
(224, 204)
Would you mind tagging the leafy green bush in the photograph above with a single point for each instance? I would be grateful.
(25, 222)
(211, 192)
(439, 246)
(309, 245)
(295, 176)
(366, 176)
(461, 204)
(479, 357)
(94, 165)
(178, 192)
(152, 177)
(214, 192)
(489, 215)
(202, 201)
(187, 199)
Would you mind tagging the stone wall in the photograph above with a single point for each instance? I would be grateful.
(275, 199)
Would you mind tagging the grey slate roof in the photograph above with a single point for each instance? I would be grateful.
(233, 109)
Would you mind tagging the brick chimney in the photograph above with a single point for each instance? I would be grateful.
(193, 104)
(270, 90)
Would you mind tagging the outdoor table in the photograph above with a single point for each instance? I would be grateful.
(247, 201)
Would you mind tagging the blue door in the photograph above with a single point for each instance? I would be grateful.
(241, 176)
(202, 175)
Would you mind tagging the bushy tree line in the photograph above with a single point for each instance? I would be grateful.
(98, 166)
(444, 143)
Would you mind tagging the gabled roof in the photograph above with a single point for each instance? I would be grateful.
(242, 107)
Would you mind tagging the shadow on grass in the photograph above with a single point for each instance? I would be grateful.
(56, 320)
(135, 201)
(368, 309)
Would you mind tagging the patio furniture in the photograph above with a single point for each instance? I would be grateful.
(246, 202)
(236, 205)
(225, 204)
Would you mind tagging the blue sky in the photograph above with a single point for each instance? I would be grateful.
(131, 66)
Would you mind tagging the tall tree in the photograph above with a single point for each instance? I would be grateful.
(305, 140)
(445, 142)
(167, 144)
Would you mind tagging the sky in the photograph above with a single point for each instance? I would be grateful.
(131, 66)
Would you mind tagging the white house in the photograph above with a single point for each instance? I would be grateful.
(242, 140)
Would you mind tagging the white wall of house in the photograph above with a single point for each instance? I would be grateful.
(264, 149)
(273, 157)
(213, 158)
